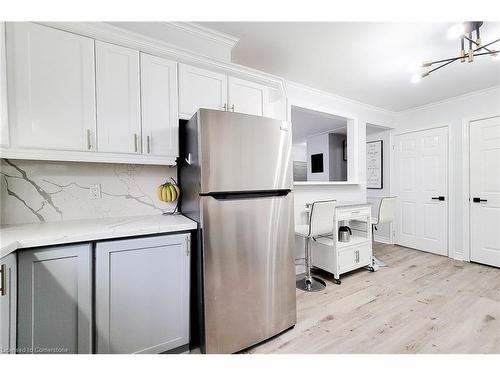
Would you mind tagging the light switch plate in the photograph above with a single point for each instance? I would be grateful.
(95, 191)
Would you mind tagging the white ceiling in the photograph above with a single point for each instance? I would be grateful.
(364, 61)
(306, 122)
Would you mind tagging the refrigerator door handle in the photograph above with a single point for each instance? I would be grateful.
(237, 195)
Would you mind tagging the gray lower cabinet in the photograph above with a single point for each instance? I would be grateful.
(55, 300)
(8, 303)
(142, 294)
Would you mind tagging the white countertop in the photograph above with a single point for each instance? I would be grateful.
(13, 237)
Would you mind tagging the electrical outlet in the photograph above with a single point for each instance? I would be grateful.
(95, 191)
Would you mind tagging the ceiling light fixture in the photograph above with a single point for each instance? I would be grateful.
(416, 78)
(465, 31)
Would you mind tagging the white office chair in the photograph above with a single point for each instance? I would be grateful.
(320, 223)
(386, 213)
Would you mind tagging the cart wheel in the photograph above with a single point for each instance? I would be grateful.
(371, 269)
(337, 281)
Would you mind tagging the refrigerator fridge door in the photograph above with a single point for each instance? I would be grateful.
(243, 152)
(249, 273)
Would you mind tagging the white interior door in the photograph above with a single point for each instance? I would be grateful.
(485, 191)
(421, 180)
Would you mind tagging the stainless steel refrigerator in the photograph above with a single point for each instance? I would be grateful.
(236, 180)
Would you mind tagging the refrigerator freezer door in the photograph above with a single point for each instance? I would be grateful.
(249, 273)
(243, 152)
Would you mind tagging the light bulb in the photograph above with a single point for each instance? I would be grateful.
(416, 78)
(414, 67)
(456, 30)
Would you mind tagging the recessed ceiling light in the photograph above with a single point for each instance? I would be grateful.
(456, 30)
(416, 78)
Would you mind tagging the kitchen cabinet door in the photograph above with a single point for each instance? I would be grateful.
(248, 97)
(51, 88)
(160, 123)
(142, 294)
(8, 303)
(54, 300)
(200, 88)
(118, 99)
(4, 126)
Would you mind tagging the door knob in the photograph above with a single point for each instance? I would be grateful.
(440, 198)
(478, 200)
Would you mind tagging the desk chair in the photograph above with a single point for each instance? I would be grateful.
(321, 222)
(386, 214)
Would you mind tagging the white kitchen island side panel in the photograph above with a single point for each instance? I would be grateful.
(40, 191)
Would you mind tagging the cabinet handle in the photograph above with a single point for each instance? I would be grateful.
(225, 107)
(135, 142)
(148, 144)
(478, 200)
(3, 280)
(89, 140)
(232, 108)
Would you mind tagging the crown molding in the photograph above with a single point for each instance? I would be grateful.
(449, 100)
(127, 38)
(206, 33)
(343, 98)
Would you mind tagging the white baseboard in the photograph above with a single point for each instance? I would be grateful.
(382, 239)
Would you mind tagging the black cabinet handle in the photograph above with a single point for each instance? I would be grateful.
(477, 200)
(440, 198)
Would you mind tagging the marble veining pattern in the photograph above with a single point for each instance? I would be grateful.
(41, 191)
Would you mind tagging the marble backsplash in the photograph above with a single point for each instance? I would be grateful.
(42, 191)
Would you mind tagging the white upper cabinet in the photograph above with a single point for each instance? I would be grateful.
(118, 99)
(67, 97)
(4, 127)
(248, 97)
(200, 88)
(160, 125)
(51, 88)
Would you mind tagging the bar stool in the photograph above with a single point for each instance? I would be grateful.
(386, 213)
(320, 222)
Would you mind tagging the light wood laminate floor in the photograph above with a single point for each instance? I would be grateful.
(421, 303)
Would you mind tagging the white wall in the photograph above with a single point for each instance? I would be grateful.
(452, 113)
(373, 195)
(306, 97)
(321, 101)
(299, 152)
(318, 144)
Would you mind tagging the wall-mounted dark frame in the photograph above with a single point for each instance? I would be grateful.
(381, 165)
(344, 150)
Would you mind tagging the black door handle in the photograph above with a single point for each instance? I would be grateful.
(440, 198)
(477, 200)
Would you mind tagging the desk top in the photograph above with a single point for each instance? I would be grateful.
(342, 204)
